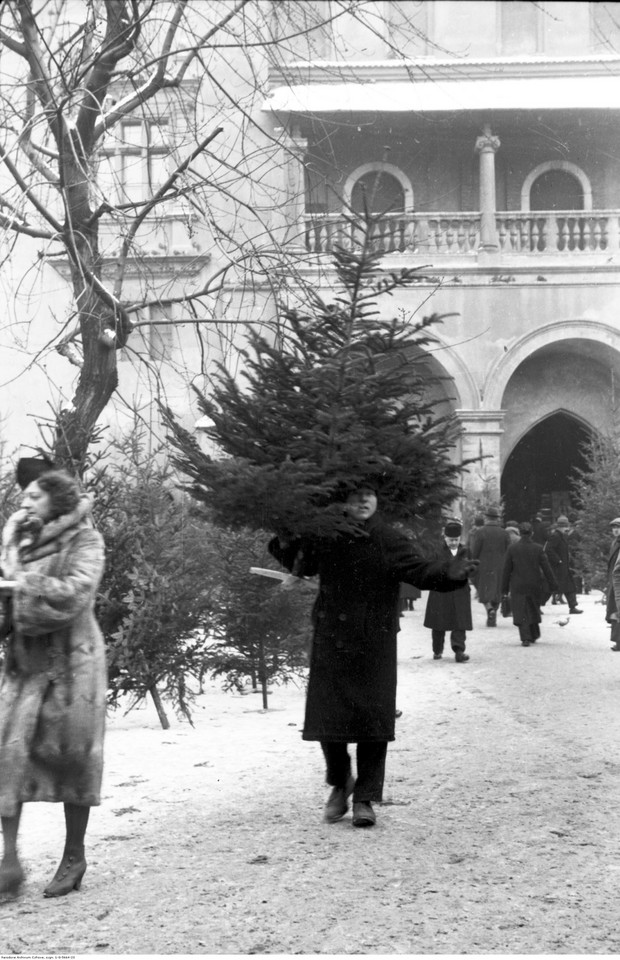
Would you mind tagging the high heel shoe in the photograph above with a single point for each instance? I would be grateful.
(68, 877)
(11, 879)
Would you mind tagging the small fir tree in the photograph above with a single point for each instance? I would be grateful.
(157, 596)
(339, 393)
(597, 490)
(259, 631)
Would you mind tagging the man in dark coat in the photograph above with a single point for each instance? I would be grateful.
(489, 548)
(611, 609)
(450, 611)
(558, 552)
(351, 695)
(526, 569)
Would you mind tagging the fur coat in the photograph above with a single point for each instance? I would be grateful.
(53, 691)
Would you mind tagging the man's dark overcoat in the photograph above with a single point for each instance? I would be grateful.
(611, 605)
(489, 548)
(450, 611)
(525, 574)
(352, 682)
(558, 552)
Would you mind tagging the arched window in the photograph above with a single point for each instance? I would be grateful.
(556, 185)
(379, 192)
(556, 190)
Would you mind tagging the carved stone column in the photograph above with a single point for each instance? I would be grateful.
(481, 437)
(487, 146)
(288, 218)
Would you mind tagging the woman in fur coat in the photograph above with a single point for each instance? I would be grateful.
(53, 691)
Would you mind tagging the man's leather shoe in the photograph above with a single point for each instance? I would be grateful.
(616, 646)
(363, 815)
(437, 656)
(526, 643)
(461, 657)
(337, 805)
(575, 610)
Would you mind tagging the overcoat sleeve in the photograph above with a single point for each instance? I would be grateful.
(548, 573)
(410, 566)
(298, 556)
(507, 571)
(615, 581)
(43, 604)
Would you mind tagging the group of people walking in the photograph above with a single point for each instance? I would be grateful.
(53, 691)
(513, 569)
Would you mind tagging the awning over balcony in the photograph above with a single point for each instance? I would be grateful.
(509, 93)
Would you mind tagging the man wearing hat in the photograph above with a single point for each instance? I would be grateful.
(450, 611)
(489, 548)
(525, 573)
(351, 692)
(558, 552)
(611, 610)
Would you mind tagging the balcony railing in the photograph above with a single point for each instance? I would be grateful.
(567, 232)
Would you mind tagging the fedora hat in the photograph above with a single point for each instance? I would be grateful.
(493, 513)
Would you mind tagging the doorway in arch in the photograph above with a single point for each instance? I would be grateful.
(539, 472)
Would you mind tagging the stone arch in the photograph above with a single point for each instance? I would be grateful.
(380, 166)
(551, 333)
(450, 363)
(547, 415)
(543, 464)
(567, 167)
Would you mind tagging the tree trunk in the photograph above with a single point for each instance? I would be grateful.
(161, 713)
(262, 672)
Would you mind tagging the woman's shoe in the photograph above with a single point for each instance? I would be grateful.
(68, 877)
(11, 879)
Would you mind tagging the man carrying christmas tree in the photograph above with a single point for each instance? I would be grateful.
(351, 694)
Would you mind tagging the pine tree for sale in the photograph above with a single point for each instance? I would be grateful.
(337, 394)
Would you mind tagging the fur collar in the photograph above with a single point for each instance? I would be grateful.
(17, 549)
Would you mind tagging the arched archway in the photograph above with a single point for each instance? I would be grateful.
(541, 467)
(374, 173)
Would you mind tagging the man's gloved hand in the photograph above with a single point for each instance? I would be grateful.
(462, 569)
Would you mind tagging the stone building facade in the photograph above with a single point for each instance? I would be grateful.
(498, 166)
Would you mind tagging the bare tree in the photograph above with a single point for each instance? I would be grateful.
(130, 137)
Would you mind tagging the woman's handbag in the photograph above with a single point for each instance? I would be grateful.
(506, 606)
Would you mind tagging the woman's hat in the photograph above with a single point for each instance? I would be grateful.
(492, 512)
(31, 468)
(615, 523)
(562, 522)
(453, 528)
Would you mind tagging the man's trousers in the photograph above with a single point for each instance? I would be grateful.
(370, 768)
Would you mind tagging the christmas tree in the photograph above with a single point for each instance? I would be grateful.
(338, 394)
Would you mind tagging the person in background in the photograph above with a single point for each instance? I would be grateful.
(512, 528)
(525, 572)
(612, 592)
(471, 539)
(540, 528)
(54, 684)
(450, 611)
(351, 694)
(406, 597)
(574, 539)
(489, 548)
(558, 553)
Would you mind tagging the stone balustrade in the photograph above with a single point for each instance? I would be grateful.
(567, 232)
